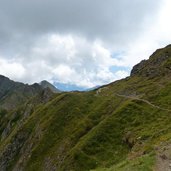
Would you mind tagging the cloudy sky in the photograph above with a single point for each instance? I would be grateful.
(79, 42)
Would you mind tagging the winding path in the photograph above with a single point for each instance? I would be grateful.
(143, 100)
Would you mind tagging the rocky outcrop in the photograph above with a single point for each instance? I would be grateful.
(7, 156)
(159, 64)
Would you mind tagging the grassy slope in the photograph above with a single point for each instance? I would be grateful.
(108, 129)
(83, 131)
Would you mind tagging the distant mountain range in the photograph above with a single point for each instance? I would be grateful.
(122, 126)
(72, 87)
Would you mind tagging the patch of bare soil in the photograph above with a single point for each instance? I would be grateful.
(163, 158)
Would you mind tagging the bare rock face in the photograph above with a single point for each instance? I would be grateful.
(159, 64)
(6, 131)
(11, 150)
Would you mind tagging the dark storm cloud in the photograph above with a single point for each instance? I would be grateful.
(106, 19)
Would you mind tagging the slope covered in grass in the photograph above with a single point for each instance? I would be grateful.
(121, 126)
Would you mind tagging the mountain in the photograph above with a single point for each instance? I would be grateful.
(72, 87)
(46, 84)
(123, 126)
(69, 87)
(13, 94)
(158, 65)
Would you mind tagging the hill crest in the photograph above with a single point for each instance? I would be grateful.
(158, 65)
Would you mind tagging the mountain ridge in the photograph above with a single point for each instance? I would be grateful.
(158, 64)
(13, 94)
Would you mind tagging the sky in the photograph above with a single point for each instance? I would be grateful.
(79, 43)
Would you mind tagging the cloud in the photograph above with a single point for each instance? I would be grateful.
(12, 69)
(69, 59)
(156, 34)
(112, 20)
(78, 42)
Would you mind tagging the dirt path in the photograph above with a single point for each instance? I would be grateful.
(163, 159)
(143, 100)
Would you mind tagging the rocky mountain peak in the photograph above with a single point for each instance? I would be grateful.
(159, 64)
(45, 84)
(13, 94)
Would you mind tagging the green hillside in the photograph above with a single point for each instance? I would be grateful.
(123, 126)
